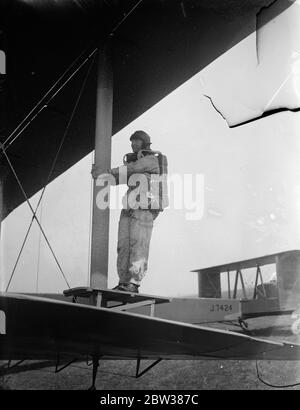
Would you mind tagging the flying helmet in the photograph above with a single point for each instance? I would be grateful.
(141, 135)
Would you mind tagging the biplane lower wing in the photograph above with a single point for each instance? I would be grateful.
(39, 328)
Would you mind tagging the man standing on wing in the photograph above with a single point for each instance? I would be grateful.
(141, 206)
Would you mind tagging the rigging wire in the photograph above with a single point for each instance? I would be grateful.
(273, 385)
(41, 101)
(7, 144)
(125, 18)
(34, 216)
(39, 251)
(19, 255)
(41, 105)
(52, 168)
(67, 128)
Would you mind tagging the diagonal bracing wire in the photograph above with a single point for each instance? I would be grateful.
(51, 170)
(125, 17)
(37, 109)
(34, 217)
(12, 138)
(43, 102)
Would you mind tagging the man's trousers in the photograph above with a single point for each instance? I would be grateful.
(134, 235)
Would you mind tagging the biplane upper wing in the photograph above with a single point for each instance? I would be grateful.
(159, 46)
(247, 263)
(39, 328)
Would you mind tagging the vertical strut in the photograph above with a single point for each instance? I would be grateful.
(95, 371)
(228, 283)
(100, 219)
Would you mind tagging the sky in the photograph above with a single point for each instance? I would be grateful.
(245, 179)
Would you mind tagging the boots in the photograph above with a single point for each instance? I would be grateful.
(127, 287)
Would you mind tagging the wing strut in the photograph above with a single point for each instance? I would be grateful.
(100, 220)
(95, 371)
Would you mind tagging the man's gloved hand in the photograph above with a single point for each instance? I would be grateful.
(114, 171)
(98, 172)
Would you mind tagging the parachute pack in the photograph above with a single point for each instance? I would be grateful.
(163, 183)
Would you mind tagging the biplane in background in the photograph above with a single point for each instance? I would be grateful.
(265, 298)
(94, 322)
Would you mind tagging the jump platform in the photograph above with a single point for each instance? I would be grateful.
(125, 300)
